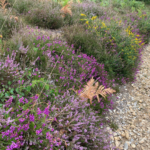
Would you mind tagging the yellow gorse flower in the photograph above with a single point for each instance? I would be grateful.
(83, 15)
(103, 25)
(96, 27)
(94, 17)
(87, 22)
(1, 36)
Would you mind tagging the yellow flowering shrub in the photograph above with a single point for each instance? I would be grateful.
(120, 52)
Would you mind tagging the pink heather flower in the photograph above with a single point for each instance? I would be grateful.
(52, 129)
(8, 102)
(46, 111)
(21, 100)
(36, 69)
(12, 146)
(26, 101)
(39, 111)
(22, 81)
(21, 120)
(43, 125)
(38, 131)
(25, 127)
(36, 96)
(41, 141)
(55, 119)
(31, 116)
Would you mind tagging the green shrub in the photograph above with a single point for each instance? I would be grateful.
(46, 15)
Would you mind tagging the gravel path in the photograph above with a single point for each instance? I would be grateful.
(132, 113)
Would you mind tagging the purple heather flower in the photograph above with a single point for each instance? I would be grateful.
(31, 117)
(38, 131)
(21, 100)
(39, 111)
(21, 120)
(43, 125)
(8, 102)
(41, 141)
(46, 111)
(52, 129)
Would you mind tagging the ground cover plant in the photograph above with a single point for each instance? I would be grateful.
(55, 93)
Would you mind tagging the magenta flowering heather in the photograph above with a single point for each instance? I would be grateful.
(31, 116)
(12, 146)
(21, 100)
(39, 111)
(46, 111)
(8, 102)
(31, 125)
(21, 120)
(38, 131)
(9, 68)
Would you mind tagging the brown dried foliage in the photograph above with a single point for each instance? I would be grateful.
(3, 4)
(90, 90)
(66, 9)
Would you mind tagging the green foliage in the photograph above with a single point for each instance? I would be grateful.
(131, 4)
(105, 3)
(7, 91)
(145, 1)
(42, 85)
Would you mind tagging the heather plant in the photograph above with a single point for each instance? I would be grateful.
(28, 126)
(68, 72)
(10, 72)
(67, 124)
(27, 53)
(43, 47)
(45, 15)
(9, 69)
